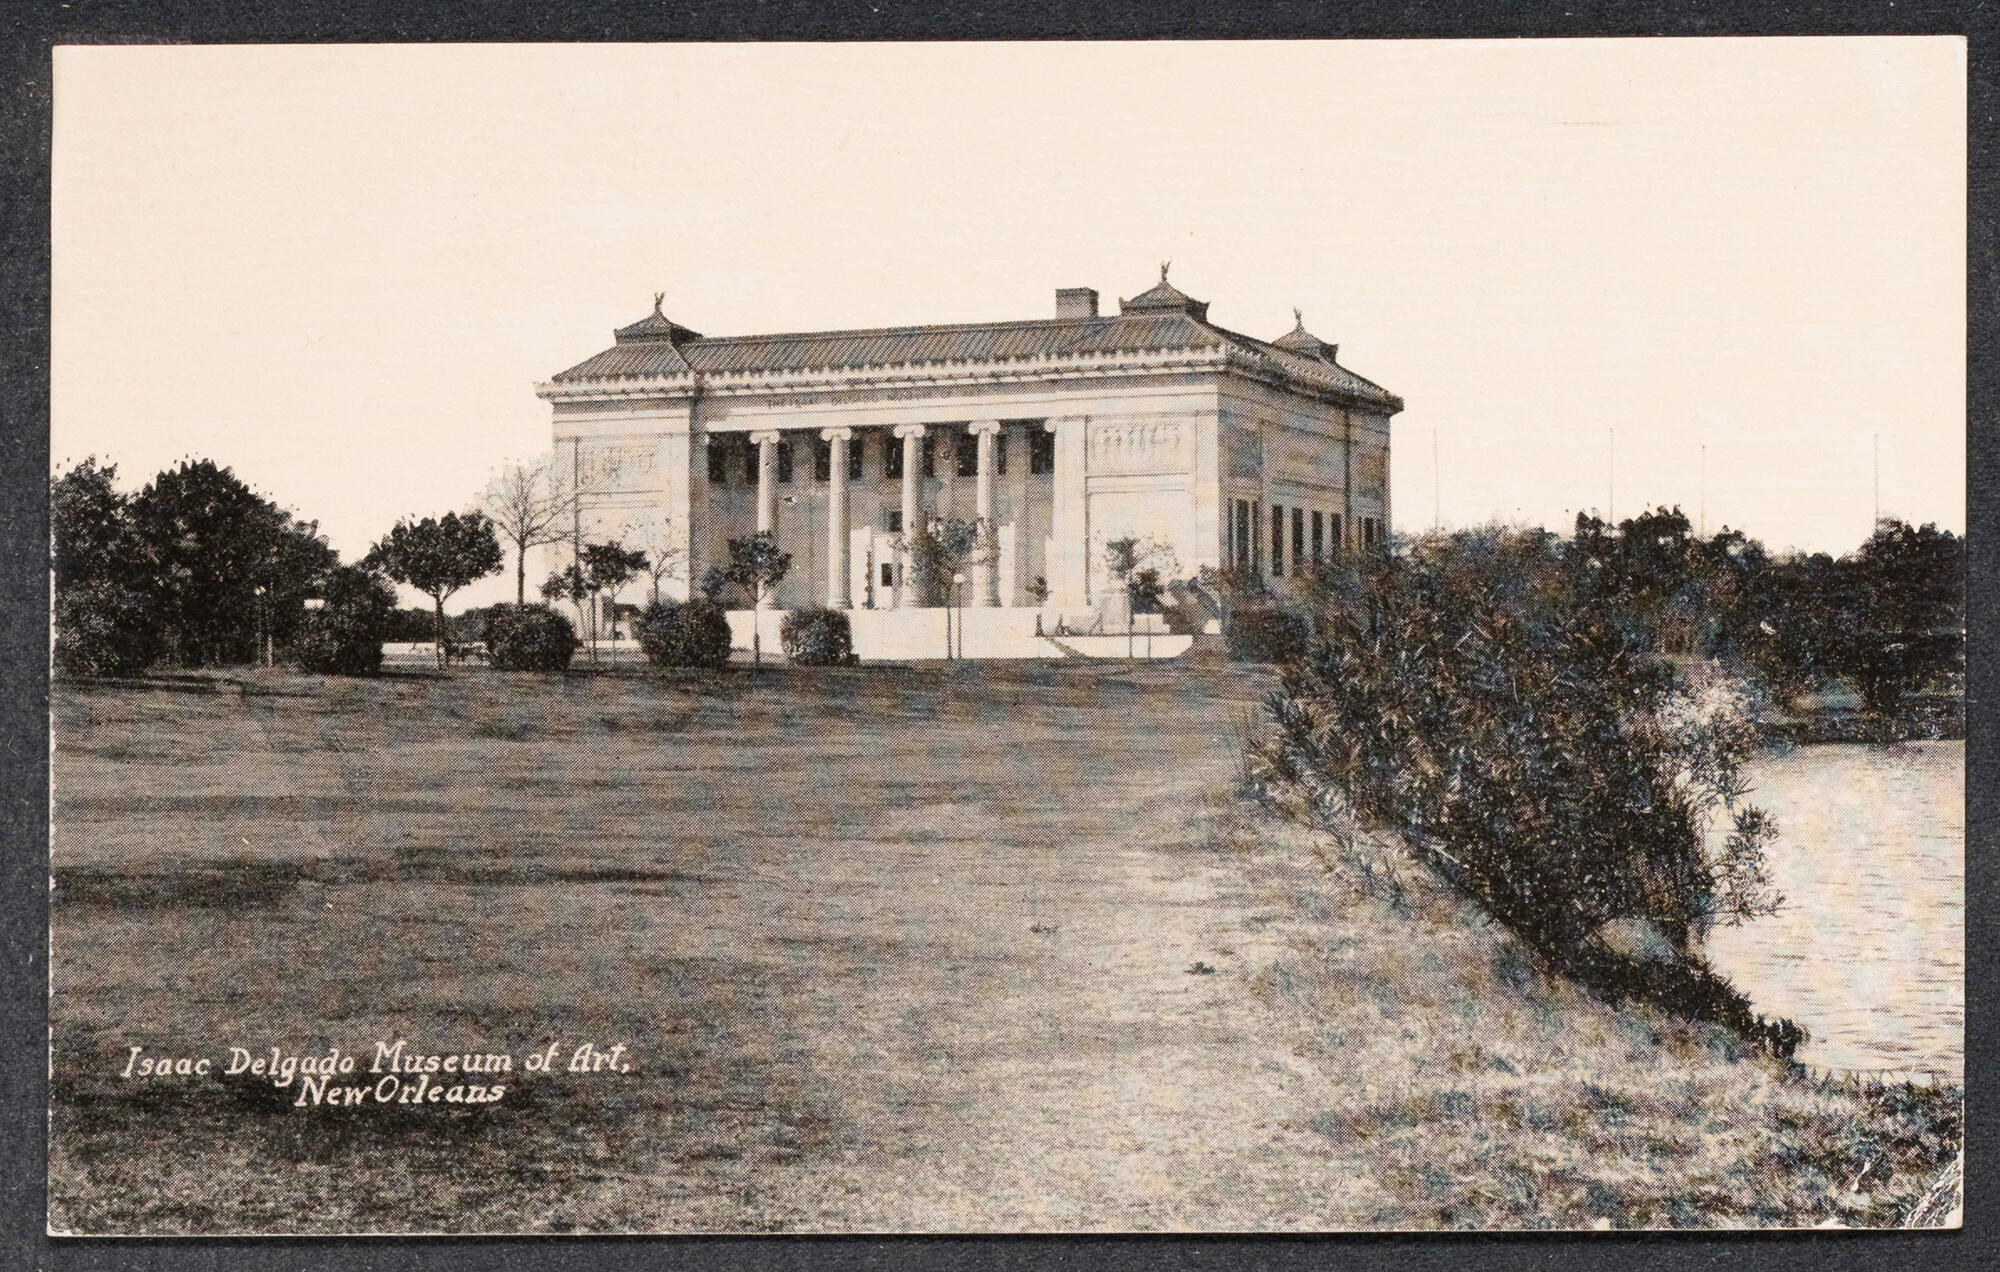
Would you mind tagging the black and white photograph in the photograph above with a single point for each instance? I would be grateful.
(1019, 637)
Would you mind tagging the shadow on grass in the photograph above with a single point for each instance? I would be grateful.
(1684, 988)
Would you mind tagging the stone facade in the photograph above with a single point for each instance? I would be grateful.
(1056, 435)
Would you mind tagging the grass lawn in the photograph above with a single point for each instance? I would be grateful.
(930, 948)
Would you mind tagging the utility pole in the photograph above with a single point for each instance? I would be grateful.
(1437, 484)
(1876, 442)
(1704, 490)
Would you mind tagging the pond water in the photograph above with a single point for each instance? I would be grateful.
(1868, 952)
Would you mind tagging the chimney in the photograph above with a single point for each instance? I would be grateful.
(1076, 302)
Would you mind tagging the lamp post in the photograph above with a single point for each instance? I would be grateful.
(957, 598)
(264, 624)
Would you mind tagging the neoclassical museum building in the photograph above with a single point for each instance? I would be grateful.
(1057, 434)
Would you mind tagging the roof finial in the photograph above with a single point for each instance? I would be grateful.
(1164, 265)
(659, 298)
(1298, 318)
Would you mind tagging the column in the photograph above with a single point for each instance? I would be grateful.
(1069, 571)
(838, 569)
(913, 462)
(767, 493)
(989, 528)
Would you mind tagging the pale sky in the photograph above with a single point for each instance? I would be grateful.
(340, 270)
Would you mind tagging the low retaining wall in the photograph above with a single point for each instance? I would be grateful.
(913, 635)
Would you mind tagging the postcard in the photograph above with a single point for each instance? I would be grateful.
(986, 638)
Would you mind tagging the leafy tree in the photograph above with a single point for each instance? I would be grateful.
(530, 505)
(939, 550)
(756, 565)
(607, 568)
(438, 556)
(220, 562)
(1905, 625)
(103, 620)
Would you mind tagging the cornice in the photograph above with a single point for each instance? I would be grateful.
(948, 374)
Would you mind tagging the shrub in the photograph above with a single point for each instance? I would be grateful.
(101, 629)
(344, 636)
(1524, 746)
(684, 633)
(326, 646)
(529, 638)
(1268, 633)
(818, 637)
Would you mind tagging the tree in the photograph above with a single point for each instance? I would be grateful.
(1133, 565)
(607, 568)
(664, 555)
(939, 550)
(438, 556)
(756, 565)
(1906, 624)
(222, 565)
(103, 623)
(530, 505)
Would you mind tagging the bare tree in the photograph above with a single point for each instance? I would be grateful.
(530, 505)
(664, 557)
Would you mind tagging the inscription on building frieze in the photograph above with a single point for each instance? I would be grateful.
(1138, 446)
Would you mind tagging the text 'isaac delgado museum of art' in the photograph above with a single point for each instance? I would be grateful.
(1058, 435)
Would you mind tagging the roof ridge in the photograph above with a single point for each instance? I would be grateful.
(989, 325)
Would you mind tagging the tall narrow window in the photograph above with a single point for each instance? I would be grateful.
(785, 461)
(965, 449)
(1257, 535)
(1277, 541)
(1000, 453)
(1242, 534)
(718, 462)
(1298, 538)
(895, 521)
(854, 462)
(750, 464)
(1041, 452)
(892, 457)
(1319, 535)
(822, 460)
(930, 455)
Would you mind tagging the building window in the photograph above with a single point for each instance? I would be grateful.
(785, 462)
(1277, 541)
(1257, 535)
(929, 451)
(1371, 532)
(888, 574)
(1000, 453)
(750, 464)
(854, 451)
(965, 449)
(1319, 536)
(822, 460)
(892, 457)
(718, 462)
(895, 521)
(1242, 545)
(1041, 452)
(1298, 538)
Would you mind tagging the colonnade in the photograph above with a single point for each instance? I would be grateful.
(839, 563)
